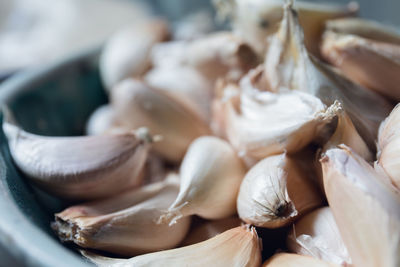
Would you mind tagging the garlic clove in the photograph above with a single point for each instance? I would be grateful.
(209, 181)
(127, 52)
(125, 224)
(365, 207)
(237, 247)
(102, 120)
(80, 168)
(276, 191)
(186, 85)
(256, 20)
(347, 134)
(389, 129)
(138, 105)
(294, 260)
(208, 229)
(288, 66)
(372, 64)
(317, 235)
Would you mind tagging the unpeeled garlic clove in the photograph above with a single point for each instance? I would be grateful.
(85, 167)
(370, 63)
(124, 224)
(102, 120)
(276, 191)
(317, 235)
(209, 229)
(288, 66)
(256, 20)
(138, 105)
(185, 84)
(127, 52)
(239, 246)
(209, 181)
(365, 207)
(294, 260)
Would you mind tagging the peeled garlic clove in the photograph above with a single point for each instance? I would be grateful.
(209, 181)
(256, 20)
(239, 246)
(276, 191)
(127, 53)
(364, 28)
(102, 121)
(347, 134)
(317, 235)
(81, 168)
(138, 105)
(373, 64)
(125, 224)
(209, 229)
(366, 208)
(186, 85)
(289, 66)
(294, 260)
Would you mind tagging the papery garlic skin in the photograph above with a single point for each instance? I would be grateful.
(294, 260)
(275, 191)
(125, 224)
(101, 121)
(211, 174)
(138, 105)
(365, 207)
(316, 235)
(80, 168)
(237, 247)
(127, 53)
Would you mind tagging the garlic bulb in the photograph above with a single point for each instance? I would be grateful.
(256, 20)
(262, 124)
(184, 83)
(125, 224)
(209, 229)
(373, 64)
(127, 53)
(209, 181)
(276, 191)
(317, 235)
(365, 207)
(294, 260)
(84, 167)
(102, 121)
(138, 105)
(237, 247)
(289, 66)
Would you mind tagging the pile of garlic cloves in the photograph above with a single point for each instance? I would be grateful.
(288, 122)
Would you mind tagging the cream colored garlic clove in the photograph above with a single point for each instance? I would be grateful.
(138, 105)
(185, 84)
(317, 235)
(276, 191)
(124, 224)
(389, 129)
(288, 66)
(208, 229)
(256, 20)
(102, 120)
(127, 52)
(237, 247)
(365, 207)
(79, 168)
(294, 260)
(211, 174)
(373, 64)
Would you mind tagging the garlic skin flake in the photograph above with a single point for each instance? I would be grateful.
(211, 174)
(124, 224)
(127, 52)
(276, 191)
(317, 235)
(294, 260)
(138, 105)
(237, 247)
(366, 208)
(80, 168)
